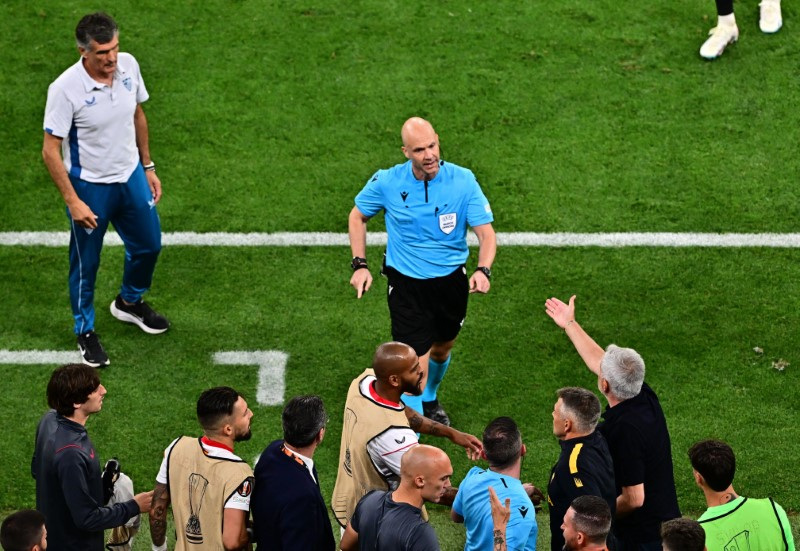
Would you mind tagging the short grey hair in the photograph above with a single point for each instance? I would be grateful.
(581, 406)
(623, 368)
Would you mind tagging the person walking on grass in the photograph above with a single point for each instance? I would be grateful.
(97, 151)
(428, 204)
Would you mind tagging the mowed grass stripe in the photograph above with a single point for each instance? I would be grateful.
(515, 239)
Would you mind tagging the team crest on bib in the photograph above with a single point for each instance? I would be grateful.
(127, 83)
(447, 222)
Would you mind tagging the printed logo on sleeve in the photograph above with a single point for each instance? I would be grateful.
(246, 488)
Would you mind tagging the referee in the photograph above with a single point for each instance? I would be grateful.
(428, 205)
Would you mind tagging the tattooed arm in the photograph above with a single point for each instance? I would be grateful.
(158, 515)
(500, 516)
(423, 425)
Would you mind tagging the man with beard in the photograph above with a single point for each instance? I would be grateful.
(428, 205)
(202, 478)
(586, 524)
(378, 429)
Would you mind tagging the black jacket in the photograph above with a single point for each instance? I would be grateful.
(287, 505)
(69, 488)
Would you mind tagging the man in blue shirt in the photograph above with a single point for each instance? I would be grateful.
(503, 448)
(428, 205)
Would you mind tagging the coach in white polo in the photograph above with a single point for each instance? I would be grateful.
(96, 150)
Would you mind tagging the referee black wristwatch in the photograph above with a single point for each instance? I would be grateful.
(486, 271)
(357, 263)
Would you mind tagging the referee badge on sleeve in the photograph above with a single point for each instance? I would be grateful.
(447, 222)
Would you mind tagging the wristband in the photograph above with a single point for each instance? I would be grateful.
(358, 262)
(150, 167)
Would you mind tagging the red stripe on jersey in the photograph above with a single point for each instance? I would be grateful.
(400, 449)
(69, 446)
(215, 444)
(379, 399)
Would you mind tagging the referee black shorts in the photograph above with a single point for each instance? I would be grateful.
(425, 311)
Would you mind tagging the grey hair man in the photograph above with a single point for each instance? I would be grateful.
(584, 466)
(636, 431)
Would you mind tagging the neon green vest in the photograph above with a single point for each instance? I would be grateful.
(747, 525)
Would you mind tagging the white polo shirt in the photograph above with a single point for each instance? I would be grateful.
(96, 121)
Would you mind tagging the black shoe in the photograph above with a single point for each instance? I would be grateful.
(435, 412)
(140, 314)
(92, 351)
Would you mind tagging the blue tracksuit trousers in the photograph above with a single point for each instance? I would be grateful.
(129, 207)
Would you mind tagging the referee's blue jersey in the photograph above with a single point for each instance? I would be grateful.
(426, 221)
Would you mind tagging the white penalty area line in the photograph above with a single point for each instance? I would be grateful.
(321, 239)
(39, 357)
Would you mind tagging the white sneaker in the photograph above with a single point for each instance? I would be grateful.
(720, 37)
(771, 20)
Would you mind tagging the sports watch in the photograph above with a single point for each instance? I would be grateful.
(486, 271)
(357, 263)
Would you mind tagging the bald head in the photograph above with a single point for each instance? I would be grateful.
(426, 470)
(420, 459)
(392, 358)
(414, 128)
(421, 147)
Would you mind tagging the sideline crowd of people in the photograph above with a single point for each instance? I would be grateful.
(612, 486)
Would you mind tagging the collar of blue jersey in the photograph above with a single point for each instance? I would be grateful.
(413, 177)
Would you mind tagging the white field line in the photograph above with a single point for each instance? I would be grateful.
(271, 371)
(320, 239)
(39, 357)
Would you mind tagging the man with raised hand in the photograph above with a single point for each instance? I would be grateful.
(393, 520)
(378, 429)
(584, 466)
(586, 524)
(733, 521)
(428, 205)
(66, 465)
(97, 152)
(636, 432)
(504, 450)
(208, 485)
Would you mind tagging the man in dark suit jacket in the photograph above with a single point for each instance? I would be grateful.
(287, 505)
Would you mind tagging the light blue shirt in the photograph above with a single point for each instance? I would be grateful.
(426, 222)
(472, 503)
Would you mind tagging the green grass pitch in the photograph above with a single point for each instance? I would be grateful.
(269, 116)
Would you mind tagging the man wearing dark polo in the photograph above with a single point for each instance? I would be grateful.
(584, 466)
(636, 431)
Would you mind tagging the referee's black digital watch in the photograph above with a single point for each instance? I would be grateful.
(486, 271)
(357, 263)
